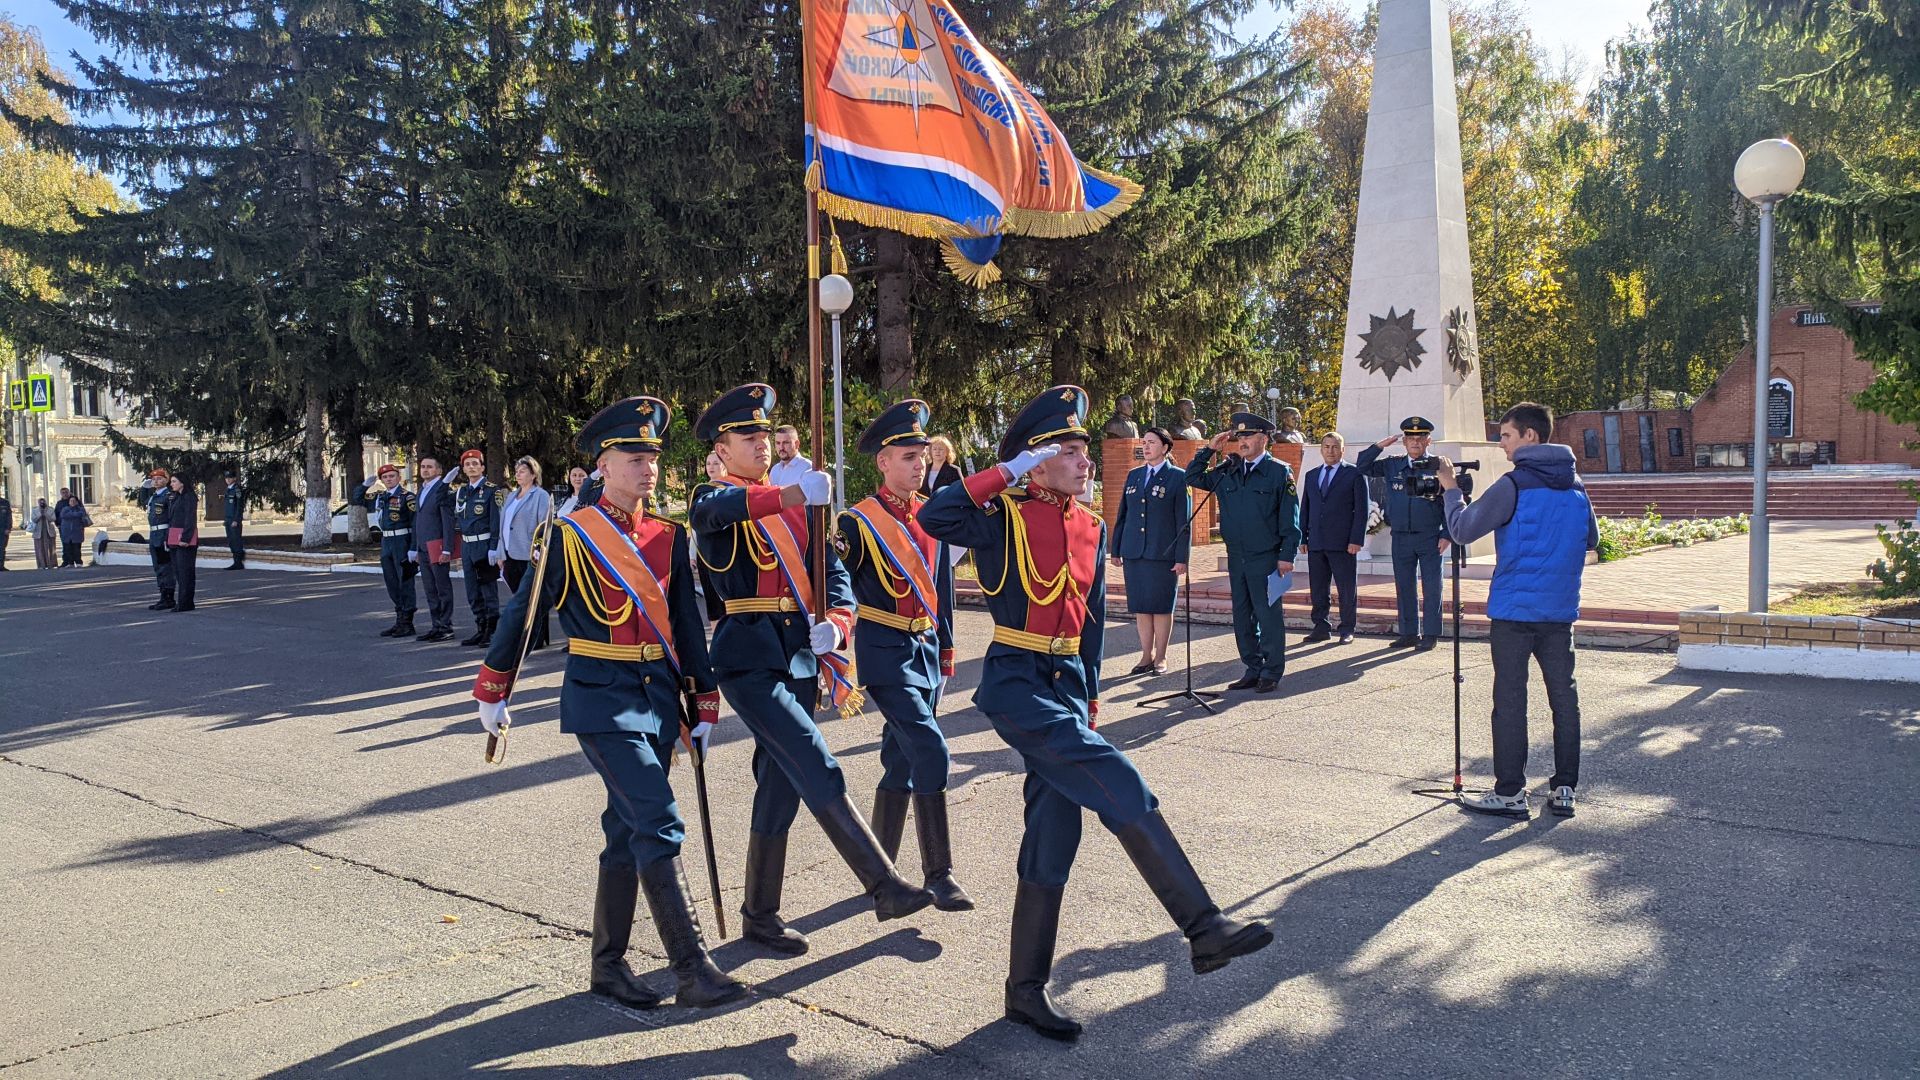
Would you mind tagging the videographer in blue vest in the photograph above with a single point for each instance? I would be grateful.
(1419, 529)
(1543, 527)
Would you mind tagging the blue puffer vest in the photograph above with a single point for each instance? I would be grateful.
(1542, 549)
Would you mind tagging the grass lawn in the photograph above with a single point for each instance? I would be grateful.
(1848, 598)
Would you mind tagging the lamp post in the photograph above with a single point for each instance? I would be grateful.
(1767, 172)
(836, 296)
(1273, 405)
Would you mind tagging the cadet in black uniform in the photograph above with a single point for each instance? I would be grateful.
(476, 517)
(156, 497)
(393, 511)
(233, 513)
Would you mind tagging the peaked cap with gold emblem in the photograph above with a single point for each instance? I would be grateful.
(902, 424)
(637, 425)
(1251, 423)
(743, 409)
(1059, 413)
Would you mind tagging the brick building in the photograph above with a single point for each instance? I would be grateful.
(1811, 416)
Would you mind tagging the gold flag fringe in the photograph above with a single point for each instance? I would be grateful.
(966, 269)
(1051, 225)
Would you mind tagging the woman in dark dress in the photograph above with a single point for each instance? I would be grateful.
(941, 469)
(1150, 545)
(183, 540)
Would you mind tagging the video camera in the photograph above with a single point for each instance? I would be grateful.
(1423, 479)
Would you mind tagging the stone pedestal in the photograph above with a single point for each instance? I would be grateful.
(1412, 342)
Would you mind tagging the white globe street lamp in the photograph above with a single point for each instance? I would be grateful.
(836, 296)
(1767, 172)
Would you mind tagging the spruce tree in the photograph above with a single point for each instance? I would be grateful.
(235, 293)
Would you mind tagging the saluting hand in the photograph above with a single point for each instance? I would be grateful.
(1024, 461)
(1388, 441)
(1218, 444)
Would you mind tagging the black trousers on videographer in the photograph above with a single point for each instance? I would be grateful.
(1514, 645)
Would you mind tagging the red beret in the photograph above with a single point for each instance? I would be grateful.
(474, 454)
(389, 467)
(158, 471)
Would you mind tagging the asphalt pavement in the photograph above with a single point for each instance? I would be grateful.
(258, 840)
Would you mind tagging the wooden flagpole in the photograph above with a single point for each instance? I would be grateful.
(818, 521)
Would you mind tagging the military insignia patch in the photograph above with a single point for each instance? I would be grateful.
(500, 497)
(840, 545)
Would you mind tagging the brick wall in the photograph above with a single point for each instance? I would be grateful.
(1801, 633)
(1825, 375)
(1118, 457)
(1819, 362)
(1573, 429)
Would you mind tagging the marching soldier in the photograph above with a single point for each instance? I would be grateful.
(1419, 530)
(393, 511)
(636, 644)
(1260, 523)
(476, 516)
(903, 649)
(1042, 562)
(156, 496)
(771, 651)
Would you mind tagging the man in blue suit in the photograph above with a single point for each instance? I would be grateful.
(435, 544)
(1333, 516)
(771, 650)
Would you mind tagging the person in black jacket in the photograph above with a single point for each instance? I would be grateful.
(234, 515)
(941, 469)
(183, 540)
(434, 546)
(1333, 527)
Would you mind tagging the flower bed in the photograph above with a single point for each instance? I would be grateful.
(1621, 537)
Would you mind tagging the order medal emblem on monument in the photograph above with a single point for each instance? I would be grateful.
(1393, 344)
(1463, 341)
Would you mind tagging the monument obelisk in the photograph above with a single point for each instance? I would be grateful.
(1411, 345)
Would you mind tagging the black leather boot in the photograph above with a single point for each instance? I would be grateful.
(613, 901)
(936, 851)
(889, 820)
(479, 633)
(1214, 938)
(766, 871)
(403, 626)
(165, 603)
(701, 983)
(892, 897)
(394, 630)
(1036, 922)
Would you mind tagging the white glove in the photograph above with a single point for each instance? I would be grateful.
(1025, 460)
(413, 556)
(699, 736)
(494, 716)
(823, 637)
(817, 486)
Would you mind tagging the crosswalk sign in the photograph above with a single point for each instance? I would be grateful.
(39, 393)
(17, 394)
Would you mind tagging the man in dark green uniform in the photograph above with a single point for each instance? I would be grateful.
(233, 514)
(1419, 533)
(1260, 523)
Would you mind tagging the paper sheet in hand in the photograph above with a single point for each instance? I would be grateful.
(1277, 586)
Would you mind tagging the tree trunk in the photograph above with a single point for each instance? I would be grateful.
(499, 468)
(318, 530)
(353, 471)
(893, 324)
(1067, 358)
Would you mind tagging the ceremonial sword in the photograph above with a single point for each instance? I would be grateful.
(497, 744)
(698, 756)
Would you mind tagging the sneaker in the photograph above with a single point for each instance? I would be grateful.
(1487, 802)
(1562, 802)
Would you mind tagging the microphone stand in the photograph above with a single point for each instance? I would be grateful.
(1457, 557)
(1197, 697)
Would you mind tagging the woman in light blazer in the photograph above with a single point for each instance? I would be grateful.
(526, 508)
(1150, 544)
